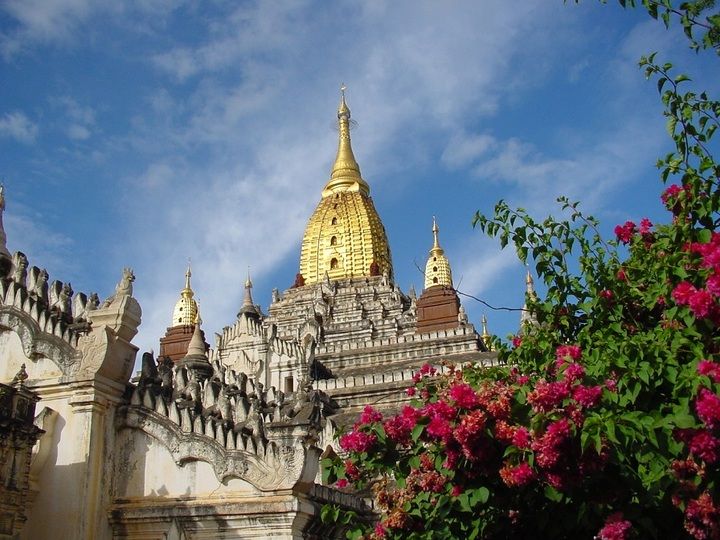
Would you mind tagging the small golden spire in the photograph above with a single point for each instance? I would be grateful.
(486, 337)
(345, 175)
(436, 243)
(437, 268)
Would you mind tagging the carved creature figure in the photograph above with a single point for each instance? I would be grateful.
(149, 371)
(123, 288)
(165, 372)
(20, 264)
(38, 285)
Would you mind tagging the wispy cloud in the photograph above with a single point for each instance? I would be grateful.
(16, 125)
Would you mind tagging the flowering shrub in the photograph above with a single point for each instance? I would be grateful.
(606, 422)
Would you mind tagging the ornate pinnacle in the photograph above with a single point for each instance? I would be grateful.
(345, 173)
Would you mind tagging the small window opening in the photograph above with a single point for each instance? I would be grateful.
(333, 241)
(334, 221)
(333, 264)
(289, 385)
(435, 280)
(434, 268)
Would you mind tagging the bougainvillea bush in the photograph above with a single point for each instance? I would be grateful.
(606, 421)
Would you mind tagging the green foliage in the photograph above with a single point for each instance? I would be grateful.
(606, 421)
(700, 24)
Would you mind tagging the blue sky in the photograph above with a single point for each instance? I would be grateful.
(142, 133)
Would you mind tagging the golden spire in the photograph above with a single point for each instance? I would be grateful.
(186, 308)
(486, 337)
(437, 268)
(345, 175)
(344, 237)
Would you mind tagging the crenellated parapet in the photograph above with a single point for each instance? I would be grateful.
(230, 421)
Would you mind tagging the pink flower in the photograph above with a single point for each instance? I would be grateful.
(516, 341)
(621, 275)
(625, 232)
(611, 384)
(702, 517)
(683, 292)
(606, 294)
(546, 396)
(707, 407)
(671, 193)
(380, 530)
(645, 226)
(705, 446)
(439, 428)
(567, 352)
(370, 415)
(410, 391)
(357, 441)
(709, 368)
(342, 483)
(463, 395)
(587, 396)
(399, 428)
(517, 476)
(713, 284)
(456, 491)
(616, 528)
(521, 438)
(549, 447)
(351, 470)
(700, 303)
(574, 372)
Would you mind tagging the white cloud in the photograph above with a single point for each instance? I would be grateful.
(16, 125)
(463, 149)
(78, 132)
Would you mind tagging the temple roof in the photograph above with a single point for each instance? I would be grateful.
(344, 237)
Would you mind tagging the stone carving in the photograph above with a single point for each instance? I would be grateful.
(244, 429)
(462, 316)
(123, 288)
(61, 299)
(38, 285)
(20, 264)
(83, 305)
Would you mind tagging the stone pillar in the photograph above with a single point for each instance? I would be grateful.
(17, 437)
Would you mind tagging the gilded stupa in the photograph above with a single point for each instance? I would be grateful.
(186, 308)
(345, 237)
(437, 268)
(185, 316)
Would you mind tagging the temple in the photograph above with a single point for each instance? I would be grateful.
(221, 441)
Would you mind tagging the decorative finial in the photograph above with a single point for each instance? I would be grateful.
(529, 284)
(188, 274)
(20, 377)
(486, 337)
(248, 305)
(435, 230)
(345, 175)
